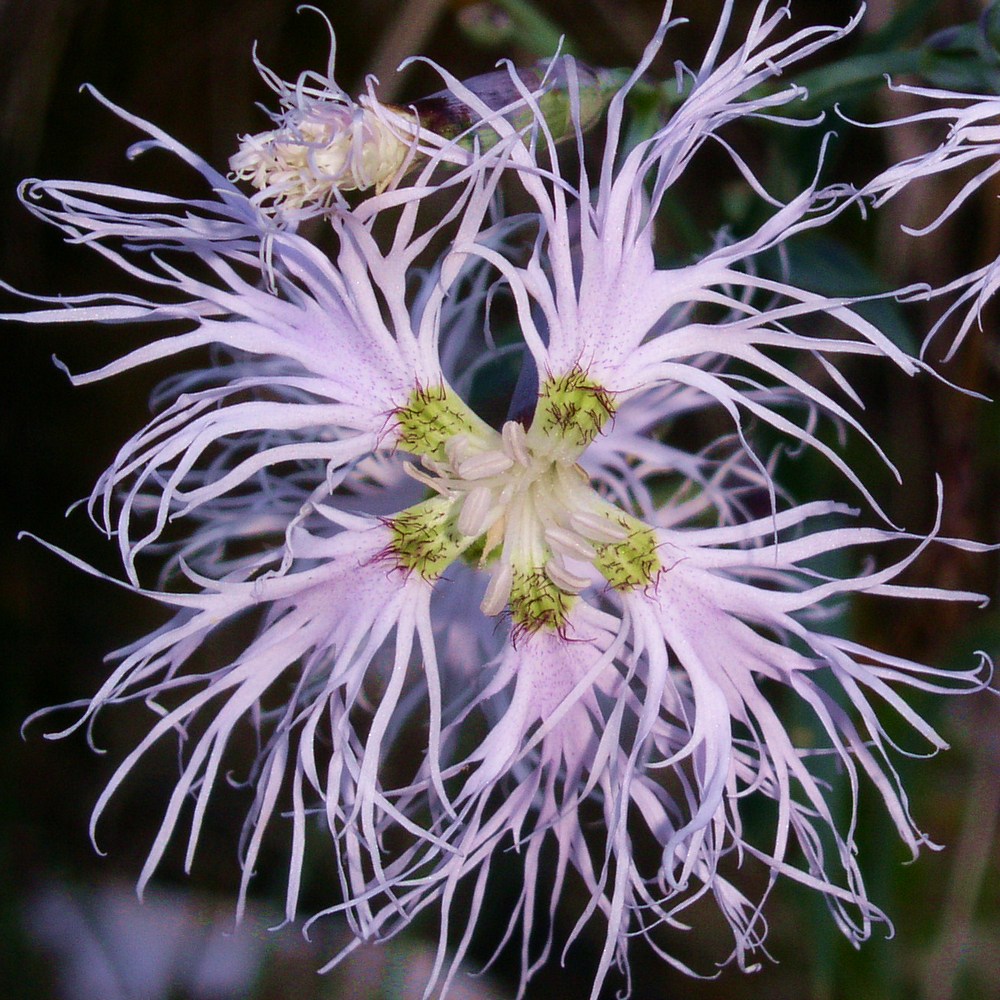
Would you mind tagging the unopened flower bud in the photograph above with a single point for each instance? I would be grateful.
(549, 84)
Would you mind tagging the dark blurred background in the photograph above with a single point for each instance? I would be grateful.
(70, 926)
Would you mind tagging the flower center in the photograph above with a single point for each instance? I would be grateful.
(537, 516)
(519, 506)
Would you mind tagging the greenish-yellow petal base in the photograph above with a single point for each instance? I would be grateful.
(425, 538)
(432, 417)
(633, 562)
(537, 603)
(573, 409)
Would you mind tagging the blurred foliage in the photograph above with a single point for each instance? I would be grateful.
(186, 65)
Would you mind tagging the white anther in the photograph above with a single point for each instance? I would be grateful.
(564, 578)
(597, 527)
(498, 590)
(457, 448)
(431, 464)
(516, 442)
(435, 483)
(484, 465)
(569, 543)
(476, 509)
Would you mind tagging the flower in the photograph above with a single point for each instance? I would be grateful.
(972, 140)
(574, 614)
(324, 143)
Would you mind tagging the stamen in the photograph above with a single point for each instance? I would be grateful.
(515, 441)
(568, 543)
(435, 483)
(533, 514)
(597, 527)
(494, 536)
(498, 590)
(484, 465)
(476, 510)
(457, 448)
(431, 464)
(564, 578)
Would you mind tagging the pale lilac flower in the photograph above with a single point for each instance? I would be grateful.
(625, 323)
(971, 144)
(575, 616)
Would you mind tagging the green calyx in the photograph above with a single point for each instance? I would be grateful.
(564, 107)
(573, 408)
